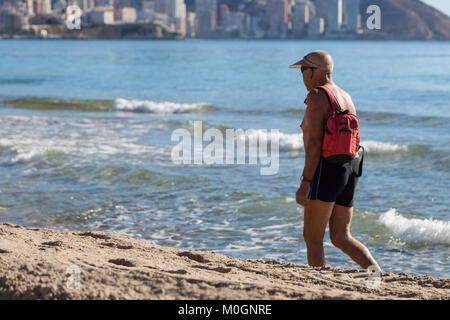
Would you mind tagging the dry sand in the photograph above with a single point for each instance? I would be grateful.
(34, 264)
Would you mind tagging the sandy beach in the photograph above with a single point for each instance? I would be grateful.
(40, 263)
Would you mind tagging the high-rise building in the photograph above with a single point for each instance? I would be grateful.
(278, 9)
(206, 14)
(46, 6)
(161, 19)
(177, 16)
(277, 13)
(206, 5)
(236, 22)
(256, 27)
(300, 17)
(147, 13)
(86, 5)
(148, 5)
(177, 8)
(353, 16)
(127, 14)
(42, 6)
(10, 19)
(104, 3)
(223, 10)
(191, 24)
(162, 6)
(335, 15)
(30, 9)
(102, 15)
(316, 27)
(137, 4)
(60, 6)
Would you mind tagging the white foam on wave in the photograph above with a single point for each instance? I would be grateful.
(25, 150)
(148, 106)
(416, 231)
(37, 137)
(294, 141)
(382, 147)
(28, 150)
(291, 141)
(287, 141)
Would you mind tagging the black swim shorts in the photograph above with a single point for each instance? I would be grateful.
(336, 182)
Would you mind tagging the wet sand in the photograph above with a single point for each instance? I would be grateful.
(40, 263)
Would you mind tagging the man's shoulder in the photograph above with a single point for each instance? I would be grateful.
(317, 98)
(316, 93)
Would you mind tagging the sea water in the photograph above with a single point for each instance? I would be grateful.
(85, 144)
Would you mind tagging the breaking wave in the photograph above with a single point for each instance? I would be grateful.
(373, 146)
(287, 141)
(416, 231)
(294, 142)
(118, 104)
(148, 106)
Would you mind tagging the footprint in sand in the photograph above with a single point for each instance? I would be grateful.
(94, 235)
(122, 262)
(118, 246)
(108, 244)
(218, 269)
(193, 256)
(124, 247)
(180, 271)
(52, 243)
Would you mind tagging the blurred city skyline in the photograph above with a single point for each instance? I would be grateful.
(220, 19)
(274, 19)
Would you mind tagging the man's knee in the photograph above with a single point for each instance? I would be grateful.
(339, 240)
(312, 239)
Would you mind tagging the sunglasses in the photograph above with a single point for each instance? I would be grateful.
(306, 68)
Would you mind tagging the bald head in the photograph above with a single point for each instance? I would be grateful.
(317, 69)
(322, 60)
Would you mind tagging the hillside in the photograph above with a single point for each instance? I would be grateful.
(400, 19)
(409, 20)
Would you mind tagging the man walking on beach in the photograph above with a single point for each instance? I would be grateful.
(327, 189)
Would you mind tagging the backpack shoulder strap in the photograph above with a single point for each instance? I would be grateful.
(331, 98)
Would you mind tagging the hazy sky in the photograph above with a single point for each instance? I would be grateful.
(443, 5)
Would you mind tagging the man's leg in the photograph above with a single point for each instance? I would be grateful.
(317, 214)
(340, 236)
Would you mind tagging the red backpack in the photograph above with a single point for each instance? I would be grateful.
(341, 136)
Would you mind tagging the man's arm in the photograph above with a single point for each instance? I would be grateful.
(313, 124)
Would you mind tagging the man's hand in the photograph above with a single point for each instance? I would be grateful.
(302, 195)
